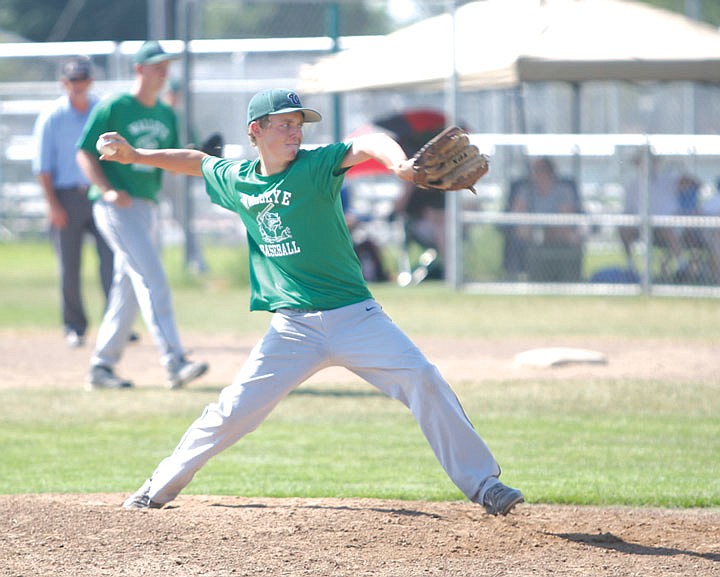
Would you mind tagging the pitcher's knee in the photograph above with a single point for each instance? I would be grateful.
(427, 381)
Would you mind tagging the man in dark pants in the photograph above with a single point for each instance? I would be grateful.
(65, 188)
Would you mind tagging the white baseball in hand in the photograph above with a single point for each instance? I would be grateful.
(106, 146)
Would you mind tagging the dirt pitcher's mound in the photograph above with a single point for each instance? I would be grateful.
(90, 535)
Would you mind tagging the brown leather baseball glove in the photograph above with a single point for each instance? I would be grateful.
(449, 162)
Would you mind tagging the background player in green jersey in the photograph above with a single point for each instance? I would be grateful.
(125, 212)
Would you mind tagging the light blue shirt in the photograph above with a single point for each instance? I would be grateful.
(56, 133)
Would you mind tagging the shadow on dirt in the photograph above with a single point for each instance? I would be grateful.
(389, 511)
(615, 543)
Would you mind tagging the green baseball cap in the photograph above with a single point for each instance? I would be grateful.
(279, 101)
(151, 53)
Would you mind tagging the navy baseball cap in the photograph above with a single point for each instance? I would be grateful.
(279, 101)
(77, 68)
(151, 53)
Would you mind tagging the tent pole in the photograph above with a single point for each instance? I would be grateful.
(453, 224)
(186, 17)
(333, 28)
(646, 230)
(577, 129)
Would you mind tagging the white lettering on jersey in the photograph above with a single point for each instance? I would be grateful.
(147, 133)
(277, 236)
(275, 196)
(282, 249)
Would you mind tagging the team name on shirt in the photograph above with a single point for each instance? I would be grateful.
(148, 132)
(282, 249)
(276, 196)
(277, 238)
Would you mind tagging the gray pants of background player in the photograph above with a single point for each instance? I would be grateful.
(68, 243)
(139, 283)
(360, 337)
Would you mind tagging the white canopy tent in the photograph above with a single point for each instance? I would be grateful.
(506, 43)
(501, 43)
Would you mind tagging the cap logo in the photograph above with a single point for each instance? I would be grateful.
(278, 101)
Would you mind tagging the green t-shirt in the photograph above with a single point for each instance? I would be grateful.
(143, 127)
(301, 253)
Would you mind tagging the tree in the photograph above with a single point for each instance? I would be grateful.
(268, 19)
(78, 20)
(36, 20)
(45, 20)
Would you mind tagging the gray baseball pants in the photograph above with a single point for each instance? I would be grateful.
(360, 337)
(139, 283)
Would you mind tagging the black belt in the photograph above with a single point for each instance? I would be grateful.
(81, 189)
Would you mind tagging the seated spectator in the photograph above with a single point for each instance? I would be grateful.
(543, 253)
(664, 190)
(688, 195)
(697, 264)
(711, 236)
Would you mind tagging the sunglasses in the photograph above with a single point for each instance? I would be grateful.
(79, 79)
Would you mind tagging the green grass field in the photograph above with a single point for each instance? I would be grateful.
(603, 442)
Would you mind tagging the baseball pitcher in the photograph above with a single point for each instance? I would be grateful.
(303, 269)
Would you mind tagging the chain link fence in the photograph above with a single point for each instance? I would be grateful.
(594, 214)
(501, 246)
